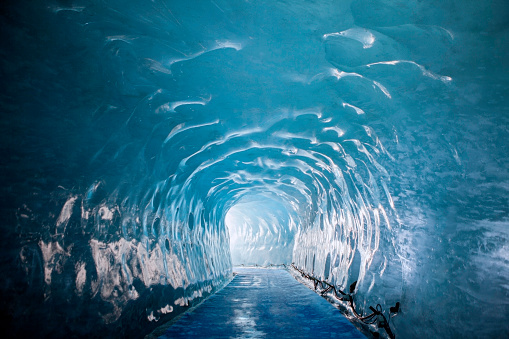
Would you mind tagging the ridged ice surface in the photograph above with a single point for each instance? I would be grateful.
(149, 145)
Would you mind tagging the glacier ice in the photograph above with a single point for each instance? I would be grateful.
(149, 146)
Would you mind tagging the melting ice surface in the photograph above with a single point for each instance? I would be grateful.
(147, 146)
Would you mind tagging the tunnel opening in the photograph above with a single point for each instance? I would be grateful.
(261, 231)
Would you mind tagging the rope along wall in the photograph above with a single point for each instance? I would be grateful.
(377, 316)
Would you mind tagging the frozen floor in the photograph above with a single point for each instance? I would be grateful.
(263, 303)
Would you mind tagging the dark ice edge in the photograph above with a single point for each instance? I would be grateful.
(159, 331)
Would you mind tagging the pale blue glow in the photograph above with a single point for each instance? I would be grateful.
(261, 231)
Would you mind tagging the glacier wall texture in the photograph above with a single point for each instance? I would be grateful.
(147, 146)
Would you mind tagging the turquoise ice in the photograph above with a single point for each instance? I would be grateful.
(150, 146)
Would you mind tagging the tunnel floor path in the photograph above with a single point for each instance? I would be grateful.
(263, 303)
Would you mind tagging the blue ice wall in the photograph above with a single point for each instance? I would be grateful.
(362, 140)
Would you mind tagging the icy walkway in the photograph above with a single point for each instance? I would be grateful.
(263, 303)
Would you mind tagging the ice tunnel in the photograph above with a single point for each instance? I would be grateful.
(149, 146)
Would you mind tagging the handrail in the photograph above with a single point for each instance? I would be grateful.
(376, 316)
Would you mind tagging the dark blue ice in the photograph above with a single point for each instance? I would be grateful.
(263, 303)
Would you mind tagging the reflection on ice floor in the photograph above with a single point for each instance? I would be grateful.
(263, 303)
